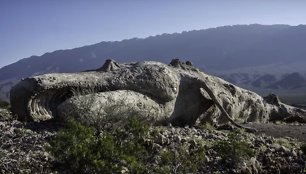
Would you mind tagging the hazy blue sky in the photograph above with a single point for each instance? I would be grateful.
(33, 27)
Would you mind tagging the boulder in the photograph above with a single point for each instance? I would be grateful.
(177, 93)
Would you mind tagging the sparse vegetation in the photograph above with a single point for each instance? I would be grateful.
(284, 142)
(207, 126)
(83, 149)
(162, 150)
(80, 149)
(183, 160)
(303, 148)
(4, 105)
(234, 150)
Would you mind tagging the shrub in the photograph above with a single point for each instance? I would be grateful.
(284, 142)
(207, 126)
(81, 150)
(303, 148)
(4, 105)
(233, 150)
(181, 160)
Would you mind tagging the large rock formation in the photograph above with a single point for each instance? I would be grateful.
(177, 93)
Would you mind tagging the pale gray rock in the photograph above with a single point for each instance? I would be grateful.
(95, 109)
(177, 93)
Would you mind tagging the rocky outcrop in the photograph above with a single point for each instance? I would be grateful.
(177, 93)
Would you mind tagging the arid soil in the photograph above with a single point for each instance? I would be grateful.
(24, 147)
(296, 131)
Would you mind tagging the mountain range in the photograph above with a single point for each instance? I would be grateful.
(263, 58)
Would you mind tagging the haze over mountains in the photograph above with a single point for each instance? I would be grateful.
(263, 58)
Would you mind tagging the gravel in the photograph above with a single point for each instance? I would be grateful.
(23, 147)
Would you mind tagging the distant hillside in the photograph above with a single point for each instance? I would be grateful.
(262, 55)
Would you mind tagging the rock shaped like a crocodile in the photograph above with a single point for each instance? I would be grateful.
(177, 93)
